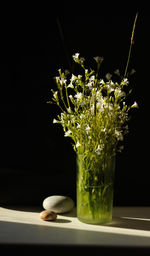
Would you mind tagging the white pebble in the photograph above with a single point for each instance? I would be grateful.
(58, 204)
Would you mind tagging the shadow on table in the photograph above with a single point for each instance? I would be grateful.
(129, 222)
(123, 222)
(23, 208)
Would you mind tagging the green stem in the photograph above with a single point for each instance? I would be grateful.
(129, 55)
(64, 103)
(62, 98)
(60, 107)
(131, 43)
(67, 96)
(63, 41)
(95, 107)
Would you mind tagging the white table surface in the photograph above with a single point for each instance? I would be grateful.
(130, 227)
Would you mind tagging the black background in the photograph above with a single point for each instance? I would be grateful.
(35, 159)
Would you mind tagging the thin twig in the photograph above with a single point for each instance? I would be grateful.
(63, 41)
(131, 43)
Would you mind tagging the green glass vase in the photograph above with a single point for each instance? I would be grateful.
(95, 176)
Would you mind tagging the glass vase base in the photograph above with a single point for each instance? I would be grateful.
(96, 221)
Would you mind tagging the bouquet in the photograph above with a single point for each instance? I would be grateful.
(94, 111)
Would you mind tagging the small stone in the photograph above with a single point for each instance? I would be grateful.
(48, 215)
(58, 204)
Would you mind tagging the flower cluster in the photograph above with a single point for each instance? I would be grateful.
(94, 112)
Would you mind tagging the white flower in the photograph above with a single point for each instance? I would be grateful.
(111, 83)
(69, 110)
(78, 144)
(101, 81)
(125, 81)
(108, 76)
(94, 90)
(72, 117)
(119, 135)
(92, 78)
(100, 102)
(135, 105)
(110, 86)
(55, 121)
(99, 149)
(79, 96)
(119, 93)
(117, 72)
(76, 55)
(62, 116)
(110, 106)
(67, 133)
(132, 71)
(78, 126)
(98, 59)
(73, 78)
(67, 72)
(82, 60)
(70, 85)
(63, 81)
(77, 59)
(89, 85)
(87, 129)
(55, 95)
(70, 97)
(57, 78)
(81, 116)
